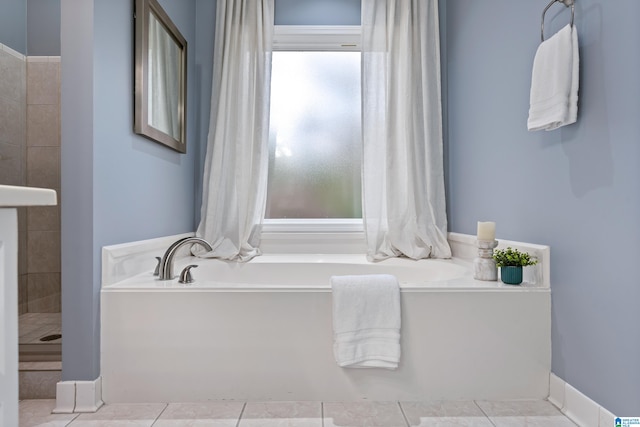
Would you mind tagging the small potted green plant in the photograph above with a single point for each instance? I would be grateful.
(511, 262)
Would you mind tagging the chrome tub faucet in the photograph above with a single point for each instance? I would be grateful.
(165, 268)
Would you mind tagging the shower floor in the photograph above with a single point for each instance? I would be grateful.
(32, 328)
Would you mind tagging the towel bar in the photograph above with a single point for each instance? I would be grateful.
(567, 3)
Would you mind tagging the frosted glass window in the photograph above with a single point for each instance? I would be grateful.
(315, 136)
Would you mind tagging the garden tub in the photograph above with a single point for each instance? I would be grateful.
(262, 330)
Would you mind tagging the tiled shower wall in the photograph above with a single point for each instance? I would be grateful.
(30, 155)
(43, 170)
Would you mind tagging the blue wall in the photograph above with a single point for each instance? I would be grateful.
(80, 298)
(43, 27)
(31, 27)
(117, 186)
(13, 25)
(142, 188)
(575, 189)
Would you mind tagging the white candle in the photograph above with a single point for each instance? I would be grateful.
(486, 230)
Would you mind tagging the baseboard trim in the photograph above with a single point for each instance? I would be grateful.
(78, 396)
(86, 396)
(577, 406)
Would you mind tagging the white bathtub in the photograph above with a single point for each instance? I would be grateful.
(304, 272)
(263, 331)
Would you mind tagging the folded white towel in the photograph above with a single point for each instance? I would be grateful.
(366, 321)
(554, 82)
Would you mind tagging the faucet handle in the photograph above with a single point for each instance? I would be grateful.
(156, 272)
(185, 276)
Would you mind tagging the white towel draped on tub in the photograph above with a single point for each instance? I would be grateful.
(554, 82)
(366, 321)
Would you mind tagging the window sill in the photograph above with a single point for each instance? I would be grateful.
(320, 225)
(313, 236)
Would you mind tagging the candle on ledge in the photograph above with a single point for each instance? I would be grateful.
(486, 230)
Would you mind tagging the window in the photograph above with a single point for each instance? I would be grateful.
(315, 125)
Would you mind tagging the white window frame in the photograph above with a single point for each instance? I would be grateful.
(329, 38)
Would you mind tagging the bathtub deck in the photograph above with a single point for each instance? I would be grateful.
(298, 278)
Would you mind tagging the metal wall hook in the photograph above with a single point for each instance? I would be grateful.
(567, 3)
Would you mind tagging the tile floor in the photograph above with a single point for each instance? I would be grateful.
(303, 414)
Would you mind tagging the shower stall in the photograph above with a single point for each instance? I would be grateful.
(30, 156)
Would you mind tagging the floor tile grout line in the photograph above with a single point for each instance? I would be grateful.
(166, 405)
(244, 405)
(72, 420)
(560, 410)
(485, 414)
(406, 420)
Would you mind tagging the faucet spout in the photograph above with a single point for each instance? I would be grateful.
(166, 263)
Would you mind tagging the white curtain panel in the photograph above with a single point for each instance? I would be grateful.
(403, 179)
(236, 165)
